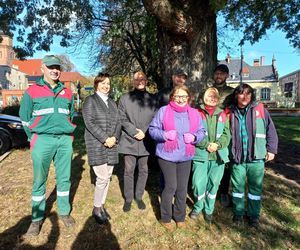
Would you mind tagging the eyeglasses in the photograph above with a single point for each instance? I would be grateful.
(178, 97)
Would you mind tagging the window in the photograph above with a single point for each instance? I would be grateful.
(0, 54)
(265, 94)
(288, 89)
(255, 92)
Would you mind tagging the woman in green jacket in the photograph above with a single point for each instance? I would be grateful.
(211, 155)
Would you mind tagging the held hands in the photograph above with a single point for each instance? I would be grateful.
(269, 156)
(212, 147)
(140, 135)
(188, 138)
(110, 142)
(171, 135)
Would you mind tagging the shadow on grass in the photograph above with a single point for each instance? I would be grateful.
(279, 227)
(95, 236)
(153, 186)
(287, 162)
(14, 237)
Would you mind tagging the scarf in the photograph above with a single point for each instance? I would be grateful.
(169, 124)
(210, 109)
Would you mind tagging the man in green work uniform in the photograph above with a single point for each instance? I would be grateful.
(46, 112)
(221, 73)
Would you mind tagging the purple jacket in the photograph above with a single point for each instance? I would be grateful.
(182, 126)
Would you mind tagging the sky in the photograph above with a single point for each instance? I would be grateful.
(274, 43)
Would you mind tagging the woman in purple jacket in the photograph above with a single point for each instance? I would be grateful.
(176, 128)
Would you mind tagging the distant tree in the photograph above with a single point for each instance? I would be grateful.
(67, 65)
(170, 34)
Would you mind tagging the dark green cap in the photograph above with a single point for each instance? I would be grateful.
(51, 60)
(179, 72)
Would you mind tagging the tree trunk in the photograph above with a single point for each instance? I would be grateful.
(187, 39)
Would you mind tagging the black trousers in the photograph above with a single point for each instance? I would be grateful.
(176, 176)
(130, 163)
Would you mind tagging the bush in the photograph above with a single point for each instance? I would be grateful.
(11, 110)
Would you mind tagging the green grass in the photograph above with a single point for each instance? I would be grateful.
(280, 219)
(288, 129)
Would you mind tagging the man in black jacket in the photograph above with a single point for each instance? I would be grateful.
(137, 109)
(179, 78)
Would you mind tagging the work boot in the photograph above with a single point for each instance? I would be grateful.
(208, 218)
(238, 220)
(254, 222)
(68, 220)
(141, 205)
(194, 215)
(34, 228)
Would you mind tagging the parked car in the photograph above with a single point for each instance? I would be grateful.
(12, 133)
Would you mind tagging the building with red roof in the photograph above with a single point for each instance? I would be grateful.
(31, 67)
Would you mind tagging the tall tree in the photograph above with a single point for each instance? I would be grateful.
(186, 37)
(67, 65)
(185, 31)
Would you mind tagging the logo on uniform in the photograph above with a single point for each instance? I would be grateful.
(62, 92)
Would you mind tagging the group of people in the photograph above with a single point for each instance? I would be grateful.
(229, 136)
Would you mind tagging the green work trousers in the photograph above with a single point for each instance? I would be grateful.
(254, 173)
(206, 179)
(44, 149)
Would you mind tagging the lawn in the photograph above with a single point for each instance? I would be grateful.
(280, 220)
(288, 128)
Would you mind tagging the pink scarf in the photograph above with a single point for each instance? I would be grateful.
(169, 124)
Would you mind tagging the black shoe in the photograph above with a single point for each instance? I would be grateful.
(253, 222)
(103, 210)
(127, 207)
(141, 205)
(194, 215)
(99, 215)
(68, 220)
(208, 218)
(34, 228)
(238, 220)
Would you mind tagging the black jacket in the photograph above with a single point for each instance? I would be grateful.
(101, 122)
(136, 109)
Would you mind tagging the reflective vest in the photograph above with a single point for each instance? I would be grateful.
(260, 142)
